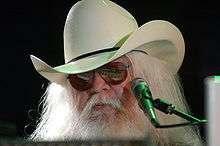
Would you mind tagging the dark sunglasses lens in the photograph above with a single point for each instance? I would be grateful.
(114, 73)
(81, 82)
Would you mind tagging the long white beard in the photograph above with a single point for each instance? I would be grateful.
(62, 121)
(122, 128)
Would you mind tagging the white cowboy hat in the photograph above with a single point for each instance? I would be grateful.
(99, 31)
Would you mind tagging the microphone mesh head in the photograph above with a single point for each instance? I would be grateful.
(137, 86)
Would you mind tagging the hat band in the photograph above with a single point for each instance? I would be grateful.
(93, 53)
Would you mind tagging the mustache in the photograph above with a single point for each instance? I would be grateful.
(96, 99)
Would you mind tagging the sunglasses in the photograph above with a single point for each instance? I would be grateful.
(113, 73)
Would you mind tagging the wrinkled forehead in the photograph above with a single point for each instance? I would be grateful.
(123, 59)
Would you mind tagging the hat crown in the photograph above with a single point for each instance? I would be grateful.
(93, 25)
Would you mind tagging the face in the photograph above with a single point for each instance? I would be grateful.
(105, 91)
(104, 102)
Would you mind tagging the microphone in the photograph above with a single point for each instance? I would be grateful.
(143, 94)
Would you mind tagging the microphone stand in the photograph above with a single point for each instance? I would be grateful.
(168, 108)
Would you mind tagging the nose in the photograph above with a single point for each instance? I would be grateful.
(99, 83)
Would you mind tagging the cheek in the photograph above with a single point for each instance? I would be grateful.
(126, 96)
(129, 100)
(124, 90)
(118, 91)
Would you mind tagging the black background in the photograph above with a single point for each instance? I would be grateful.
(36, 27)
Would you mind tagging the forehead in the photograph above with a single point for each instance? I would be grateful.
(123, 59)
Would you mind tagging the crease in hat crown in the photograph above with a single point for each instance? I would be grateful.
(94, 25)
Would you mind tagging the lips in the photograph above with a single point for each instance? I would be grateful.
(100, 106)
(103, 112)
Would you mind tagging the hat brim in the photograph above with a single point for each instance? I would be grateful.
(157, 38)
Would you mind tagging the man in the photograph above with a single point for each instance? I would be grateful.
(90, 95)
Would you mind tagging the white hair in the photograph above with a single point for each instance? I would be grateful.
(165, 85)
(60, 119)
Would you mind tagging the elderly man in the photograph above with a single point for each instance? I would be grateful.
(90, 95)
